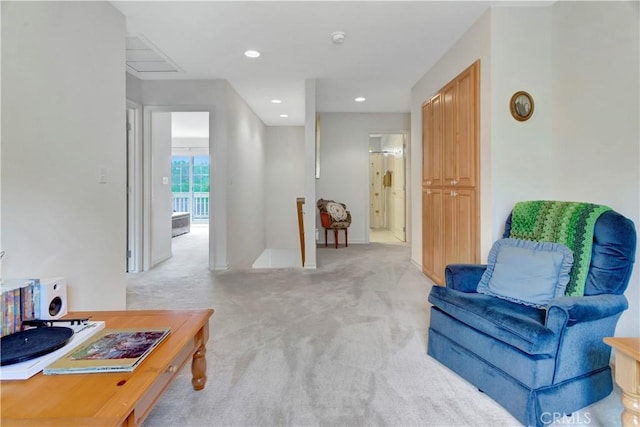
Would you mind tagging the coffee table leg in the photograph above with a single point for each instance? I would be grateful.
(199, 363)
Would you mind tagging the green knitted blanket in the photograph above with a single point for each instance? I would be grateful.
(569, 223)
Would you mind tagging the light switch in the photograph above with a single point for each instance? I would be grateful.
(165, 180)
(102, 175)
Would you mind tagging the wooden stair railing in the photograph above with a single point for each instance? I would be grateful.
(300, 202)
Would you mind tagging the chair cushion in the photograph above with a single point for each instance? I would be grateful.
(337, 211)
(527, 272)
(613, 254)
(339, 225)
(517, 325)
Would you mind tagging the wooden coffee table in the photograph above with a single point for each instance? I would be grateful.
(112, 399)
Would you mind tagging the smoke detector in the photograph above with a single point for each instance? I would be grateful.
(338, 37)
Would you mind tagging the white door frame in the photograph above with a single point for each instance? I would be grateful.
(134, 188)
(405, 155)
(146, 166)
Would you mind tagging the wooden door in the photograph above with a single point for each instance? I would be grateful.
(466, 226)
(449, 146)
(450, 175)
(449, 221)
(459, 226)
(466, 128)
(432, 142)
(432, 232)
(427, 140)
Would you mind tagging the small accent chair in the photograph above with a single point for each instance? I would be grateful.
(334, 216)
(535, 361)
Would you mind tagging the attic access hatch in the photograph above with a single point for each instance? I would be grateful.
(143, 57)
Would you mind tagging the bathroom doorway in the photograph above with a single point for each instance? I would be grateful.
(387, 189)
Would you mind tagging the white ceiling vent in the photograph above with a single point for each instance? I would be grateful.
(144, 57)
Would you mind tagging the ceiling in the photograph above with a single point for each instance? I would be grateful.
(389, 45)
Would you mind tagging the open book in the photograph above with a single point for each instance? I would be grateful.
(110, 350)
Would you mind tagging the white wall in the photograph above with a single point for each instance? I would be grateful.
(134, 88)
(161, 198)
(63, 103)
(202, 95)
(473, 45)
(521, 166)
(344, 163)
(596, 136)
(246, 172)
(283, 184)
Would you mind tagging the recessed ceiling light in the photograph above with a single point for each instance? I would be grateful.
(360, 99)
(284, 116)
(252, 53)
(275, 101)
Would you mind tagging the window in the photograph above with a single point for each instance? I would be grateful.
(190, 185)
(180, 174)
(200, 174)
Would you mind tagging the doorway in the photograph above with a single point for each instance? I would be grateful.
(177, 182)
(190, 177)
(387, 190)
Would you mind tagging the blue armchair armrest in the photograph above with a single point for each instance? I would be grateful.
(572, 310)
(464, 277)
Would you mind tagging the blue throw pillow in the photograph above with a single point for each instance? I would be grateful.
(526, 272)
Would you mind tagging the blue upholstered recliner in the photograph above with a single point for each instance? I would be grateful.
(536, 362)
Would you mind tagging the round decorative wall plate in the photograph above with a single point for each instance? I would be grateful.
(521, 106)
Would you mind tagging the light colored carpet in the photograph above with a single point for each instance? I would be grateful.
(344, 345)
(383, 235)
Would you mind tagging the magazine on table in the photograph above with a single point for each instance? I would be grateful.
(110, 350)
